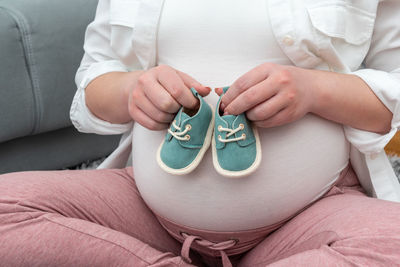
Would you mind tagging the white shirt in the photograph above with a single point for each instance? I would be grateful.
(359, 37)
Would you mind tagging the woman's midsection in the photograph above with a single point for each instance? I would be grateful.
(216, 43)
(300, 162)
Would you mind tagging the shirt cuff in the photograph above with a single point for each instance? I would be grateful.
(86, 75)
(82, 118)
(387, 88)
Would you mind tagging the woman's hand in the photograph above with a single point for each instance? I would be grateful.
(157, 94)
(270, 94)
(273, 95)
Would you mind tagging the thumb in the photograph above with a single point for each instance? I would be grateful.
(190, 82)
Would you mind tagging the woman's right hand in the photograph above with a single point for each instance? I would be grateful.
(158, 93)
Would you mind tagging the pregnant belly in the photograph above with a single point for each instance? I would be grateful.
(300, 162)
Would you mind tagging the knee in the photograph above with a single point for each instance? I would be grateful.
(24, 192)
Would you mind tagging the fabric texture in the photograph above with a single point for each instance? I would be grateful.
(313, 38)
(97, 218)
(48, 42)
(79, 218)
(16, 102)
(53, 150)
(40, 49)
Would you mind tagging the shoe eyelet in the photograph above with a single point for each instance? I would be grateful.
(244, 136)
(188, 127)
(241, 126)
(219, 137)
(187, 137)
(219, 128)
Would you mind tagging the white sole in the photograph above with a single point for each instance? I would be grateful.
(199, 157)
(238, 174)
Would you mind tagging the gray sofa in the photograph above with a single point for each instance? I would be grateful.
(41, 45)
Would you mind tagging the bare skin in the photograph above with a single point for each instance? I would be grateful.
(148, 97)
(270, 94)
(273, 95)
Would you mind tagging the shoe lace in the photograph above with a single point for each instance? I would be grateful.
(180, 135)
(220, 246)
(230, 133)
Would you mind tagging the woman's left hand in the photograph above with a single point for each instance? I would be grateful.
(270, 94)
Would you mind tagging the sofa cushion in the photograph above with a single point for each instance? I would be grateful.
(42, 43)
(16, 96)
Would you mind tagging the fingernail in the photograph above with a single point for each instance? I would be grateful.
(208, 88)
(222, 106)
(217, 88)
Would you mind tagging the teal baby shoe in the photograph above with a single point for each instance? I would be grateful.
(187, 139)
(236, 145)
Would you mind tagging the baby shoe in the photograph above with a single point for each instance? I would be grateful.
(187, 139)
(236, 145)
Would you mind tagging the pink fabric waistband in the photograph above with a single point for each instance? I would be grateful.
(214, 244)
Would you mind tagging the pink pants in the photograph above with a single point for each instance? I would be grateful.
(97, 218)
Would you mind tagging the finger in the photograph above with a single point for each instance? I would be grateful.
(172, 82)
(140, 117)
(220, 90)
(249, 79)
(161, 98)
(267, 109)
(190, 82)
(144, 104)
(280, 118)
(253, 96)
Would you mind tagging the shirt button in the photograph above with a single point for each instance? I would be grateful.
(288, 40)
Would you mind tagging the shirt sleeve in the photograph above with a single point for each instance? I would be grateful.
(98, 59)
(382, 74)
